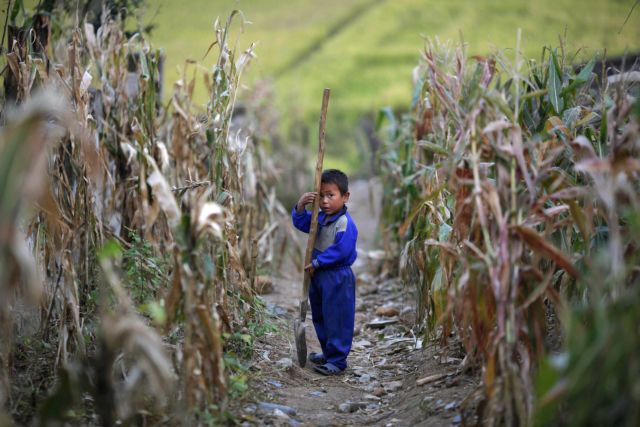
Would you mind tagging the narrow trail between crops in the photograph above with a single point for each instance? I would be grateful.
(387, 360)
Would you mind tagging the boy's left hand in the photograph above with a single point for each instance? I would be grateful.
(310, 269)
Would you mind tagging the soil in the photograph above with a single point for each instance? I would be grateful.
(387, 359)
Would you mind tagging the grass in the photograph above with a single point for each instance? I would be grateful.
(368, 59)
(365, 50)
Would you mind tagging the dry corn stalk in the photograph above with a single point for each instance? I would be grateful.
(186, 183)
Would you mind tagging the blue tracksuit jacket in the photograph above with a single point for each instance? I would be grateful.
(332, 294)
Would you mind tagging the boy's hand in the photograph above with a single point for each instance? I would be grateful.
(305, 199)
(310, 269)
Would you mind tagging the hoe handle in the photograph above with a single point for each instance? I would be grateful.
(313, 231)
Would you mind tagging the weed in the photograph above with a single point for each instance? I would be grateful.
(147, 273)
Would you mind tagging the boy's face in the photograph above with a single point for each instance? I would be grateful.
(331, 200)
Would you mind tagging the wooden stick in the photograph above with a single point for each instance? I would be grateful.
(316, 205)
(431, 378)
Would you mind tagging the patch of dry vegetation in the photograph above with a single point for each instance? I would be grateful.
(512, 189)
(107, 193)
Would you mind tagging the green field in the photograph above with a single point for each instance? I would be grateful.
(365, 50)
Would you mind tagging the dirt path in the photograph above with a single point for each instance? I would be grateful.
(379, 387)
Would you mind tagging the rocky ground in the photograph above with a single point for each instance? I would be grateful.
(394, 377)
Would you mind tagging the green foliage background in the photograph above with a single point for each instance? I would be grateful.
(365, 50)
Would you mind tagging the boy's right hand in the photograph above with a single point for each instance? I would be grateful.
(305, 199)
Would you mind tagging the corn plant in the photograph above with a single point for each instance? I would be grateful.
(486, 197)
(594, 379)
(23, 146)
(126, 168)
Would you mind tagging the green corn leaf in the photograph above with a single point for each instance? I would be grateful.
(444, 232)
(581, 78)
(386, 113)
(554, 84)
(17, 6)
(534, 94)
(585, 73)
(417, 91)
(143, 64)
(430, 146)
(604, 128)
(499, 102)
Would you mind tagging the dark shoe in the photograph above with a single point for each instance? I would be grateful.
(327, 369)
(317, 358)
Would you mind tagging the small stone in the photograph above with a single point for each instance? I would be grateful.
(276, 310)
(344, 408)
(278, 413)
(285, 363)
(362, 344)
(457, 419)
(274, 383)
(290, 421)
(381, 323)
(371, 397)
(316, 394)
(272, 407)
(393, 386)
(387, 311)
(379, 391)
(349, 407)
(360, 371)
(250, 409)
(366, 378)
(451, 405)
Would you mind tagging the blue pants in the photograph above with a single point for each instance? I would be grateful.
(333, 307)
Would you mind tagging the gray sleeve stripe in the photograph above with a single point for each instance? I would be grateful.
(341, 224)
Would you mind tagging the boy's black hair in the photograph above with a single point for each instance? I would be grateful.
(337, 177)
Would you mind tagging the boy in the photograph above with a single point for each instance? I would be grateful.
(332, 292)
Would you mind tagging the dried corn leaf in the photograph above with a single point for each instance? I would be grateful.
(163, 194)
(542, 246)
